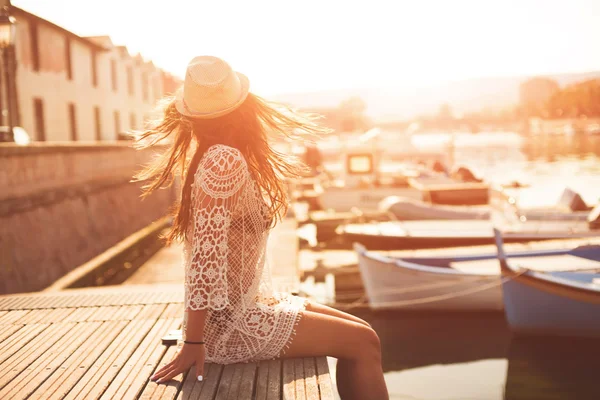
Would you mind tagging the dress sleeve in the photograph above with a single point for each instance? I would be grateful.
(218, 185)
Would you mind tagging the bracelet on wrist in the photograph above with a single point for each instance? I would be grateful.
(191, 342)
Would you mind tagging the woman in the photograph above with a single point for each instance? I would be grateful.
(232, 194)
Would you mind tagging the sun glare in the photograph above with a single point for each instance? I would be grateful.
(314, 45)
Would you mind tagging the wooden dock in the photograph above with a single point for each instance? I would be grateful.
(105, 343)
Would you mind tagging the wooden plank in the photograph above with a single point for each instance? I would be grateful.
(24, 344)
(131, 312)
(225, 382)
(50, 316)
(14, 343)
(64, 378)
(81, 314)
(103, 370)
(44, 365)
(101, 296)
(173, 310)
(8, 331)
(153, 390)
(111, 312)
(262, 380)
(60, 301)
(132, 377)
(191, 388)
(13, 317)
(234, 387)
(299, 376)
(123, 381)
(324, 379)
(20, 360)
(288, 381)
(211, 382)
(248, 381)
(151, 311)
(310, 379)
(6, 301)
(274, 384)
(41, 302)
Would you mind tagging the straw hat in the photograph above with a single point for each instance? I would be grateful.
(211, 89)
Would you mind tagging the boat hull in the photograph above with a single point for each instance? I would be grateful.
(389, 286)
(382, 242)
(411, 235)
(340, 199)
(533, 311)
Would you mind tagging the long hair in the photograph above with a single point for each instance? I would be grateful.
(249, 129)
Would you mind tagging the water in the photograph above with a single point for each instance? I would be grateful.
(473, 356)
(547, 163)
(468, 357)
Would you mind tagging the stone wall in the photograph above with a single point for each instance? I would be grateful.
(61, 205)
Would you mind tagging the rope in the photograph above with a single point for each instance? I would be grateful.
(432, 299)
(417, 288)
(438, 285)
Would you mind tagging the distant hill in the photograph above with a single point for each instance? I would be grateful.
(400, 103)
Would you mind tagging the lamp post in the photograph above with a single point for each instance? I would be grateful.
(7, 41)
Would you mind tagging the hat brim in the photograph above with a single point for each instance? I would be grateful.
(184, 110)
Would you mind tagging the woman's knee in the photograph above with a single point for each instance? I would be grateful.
(367, 344)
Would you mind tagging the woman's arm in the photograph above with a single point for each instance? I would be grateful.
(195, 325)
(216, 191)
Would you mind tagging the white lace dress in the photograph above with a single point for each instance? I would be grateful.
(225, 268)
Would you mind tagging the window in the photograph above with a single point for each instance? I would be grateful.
(40, 128)
(117, 123)
(98, 123)
(68, 59)
(35, 51)
(132, 121)
(130, 79)
(113, 74)
(145, 86)
(73, 122)
(359, 164)
(94, 69)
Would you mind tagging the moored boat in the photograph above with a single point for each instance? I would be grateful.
(407, 235)
(401, 284)
(551, 303)
(452, 283)
(569, 207)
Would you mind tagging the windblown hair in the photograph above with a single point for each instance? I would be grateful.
(248, 129)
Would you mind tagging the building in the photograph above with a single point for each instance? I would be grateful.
(73, 88)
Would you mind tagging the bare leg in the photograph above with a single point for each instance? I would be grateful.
(355, 345)
(323, 309)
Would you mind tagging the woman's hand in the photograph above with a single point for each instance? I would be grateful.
(188, 355)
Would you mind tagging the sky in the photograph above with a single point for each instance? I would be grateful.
(306, 45)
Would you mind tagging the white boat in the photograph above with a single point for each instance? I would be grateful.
(435, 234)
(399, 284)
(455, 283)
(366, 177)
(551, 303)
(569, 207)
(406, 209)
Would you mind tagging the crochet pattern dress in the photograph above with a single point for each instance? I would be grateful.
(225, 268)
